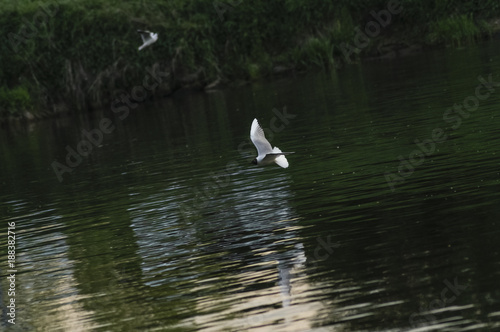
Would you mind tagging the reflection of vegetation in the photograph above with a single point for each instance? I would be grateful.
(111, 207)
(80, 54)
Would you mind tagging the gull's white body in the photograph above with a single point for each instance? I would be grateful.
(148, 38)
(266, 154)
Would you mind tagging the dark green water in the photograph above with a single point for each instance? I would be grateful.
(167, 226)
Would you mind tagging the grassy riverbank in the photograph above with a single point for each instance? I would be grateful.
(77, 55)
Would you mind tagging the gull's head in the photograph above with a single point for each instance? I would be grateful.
(254, 161)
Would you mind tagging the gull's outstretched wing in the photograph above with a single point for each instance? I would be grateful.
(259, 139)
(145, 35)
(148, 38)
(281, 159)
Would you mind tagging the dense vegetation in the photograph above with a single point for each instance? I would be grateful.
(76, 55)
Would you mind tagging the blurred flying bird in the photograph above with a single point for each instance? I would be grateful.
(148, 38)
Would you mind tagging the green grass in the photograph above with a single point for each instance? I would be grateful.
(455, 31)
(82, 53)
(14, 101)
(317, 51)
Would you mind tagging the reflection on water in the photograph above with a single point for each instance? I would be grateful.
(167, 226)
